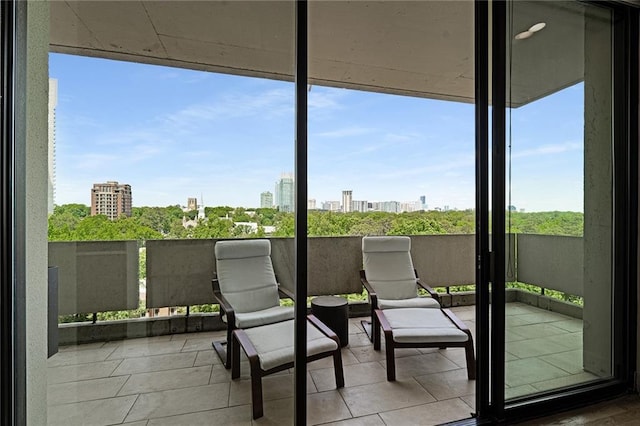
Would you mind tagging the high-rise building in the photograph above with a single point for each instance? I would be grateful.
(53, 102)
(359, 206)
(311, 204)
(332, 206)
(192, 203)
(346, 201)
(111, 199)
(266, 200)
(285, 193)
(423, 202)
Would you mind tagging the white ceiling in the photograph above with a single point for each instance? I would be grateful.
(416, 48)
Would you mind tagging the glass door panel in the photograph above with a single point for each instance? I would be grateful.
(558, 196)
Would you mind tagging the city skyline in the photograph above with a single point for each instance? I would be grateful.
(174, 132)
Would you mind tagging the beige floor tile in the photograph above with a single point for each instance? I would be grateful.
(534, 331)
(470, 400)
(208, 357)
(465, 314)
(148, 349)
(71, 373)
(197, 345)
(211, 335)
(354, 375)
(534, 348)
(232, 416)
(422, 364)
(517, 321)
(155, 363)
(572, 341)
(570, 361)
(79, 357)
(517, 391)
(347, 359)
(273, 387)
(572, 325)
(368, 354)
(512, 337)
(219, 374)
(371, 420)
(449, 384)
(359, 339)
(457, 355)
(530, 370)
(520, 309)
(355, 326)
(544, 316)
(278, 412)
(95, 413)
(323, 407)
(140, 340)
(163, 380)
(385, 396)
(179, 401)
(434, 413)
(82, 347)
(85, 390)
(564, 381)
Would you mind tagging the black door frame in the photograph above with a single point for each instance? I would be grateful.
(12, 209)
(490, 268)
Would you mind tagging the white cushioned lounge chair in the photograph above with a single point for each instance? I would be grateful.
(408, 321)
(390, 278)
(246, 289)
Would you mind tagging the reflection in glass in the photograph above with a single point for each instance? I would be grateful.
(559, 166)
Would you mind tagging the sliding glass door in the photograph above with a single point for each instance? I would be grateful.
(557, 192)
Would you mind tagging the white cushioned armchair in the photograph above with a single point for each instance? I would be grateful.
(390, 278)
(246, 289)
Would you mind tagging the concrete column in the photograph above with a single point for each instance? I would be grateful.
(32, 86)
(598, 199)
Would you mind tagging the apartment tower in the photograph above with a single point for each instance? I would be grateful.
(285, 193)
(346, 201)
(266, 200)
(53, 102)
(111, 199)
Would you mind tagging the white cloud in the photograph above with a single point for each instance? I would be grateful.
(548, 149)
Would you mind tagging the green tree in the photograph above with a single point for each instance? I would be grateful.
(77, 210)
(218, 212)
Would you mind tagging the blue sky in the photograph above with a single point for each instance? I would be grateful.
(173, 133)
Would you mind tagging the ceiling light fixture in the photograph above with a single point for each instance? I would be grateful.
(533, 29)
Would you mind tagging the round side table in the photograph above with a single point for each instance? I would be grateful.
(334, 312)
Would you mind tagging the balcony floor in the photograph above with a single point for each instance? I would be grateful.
(179, 380)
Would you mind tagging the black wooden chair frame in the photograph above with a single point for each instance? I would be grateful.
(222, 347)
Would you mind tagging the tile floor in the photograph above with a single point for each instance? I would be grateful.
(179, 380)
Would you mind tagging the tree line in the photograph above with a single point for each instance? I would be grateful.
(73, 222)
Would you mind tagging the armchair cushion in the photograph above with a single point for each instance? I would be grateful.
(388, 267)
(246, 275)
(415, 302)
(265, 316)
(415, 325)
(274, 343)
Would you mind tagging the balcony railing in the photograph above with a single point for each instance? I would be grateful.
(104, 276)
